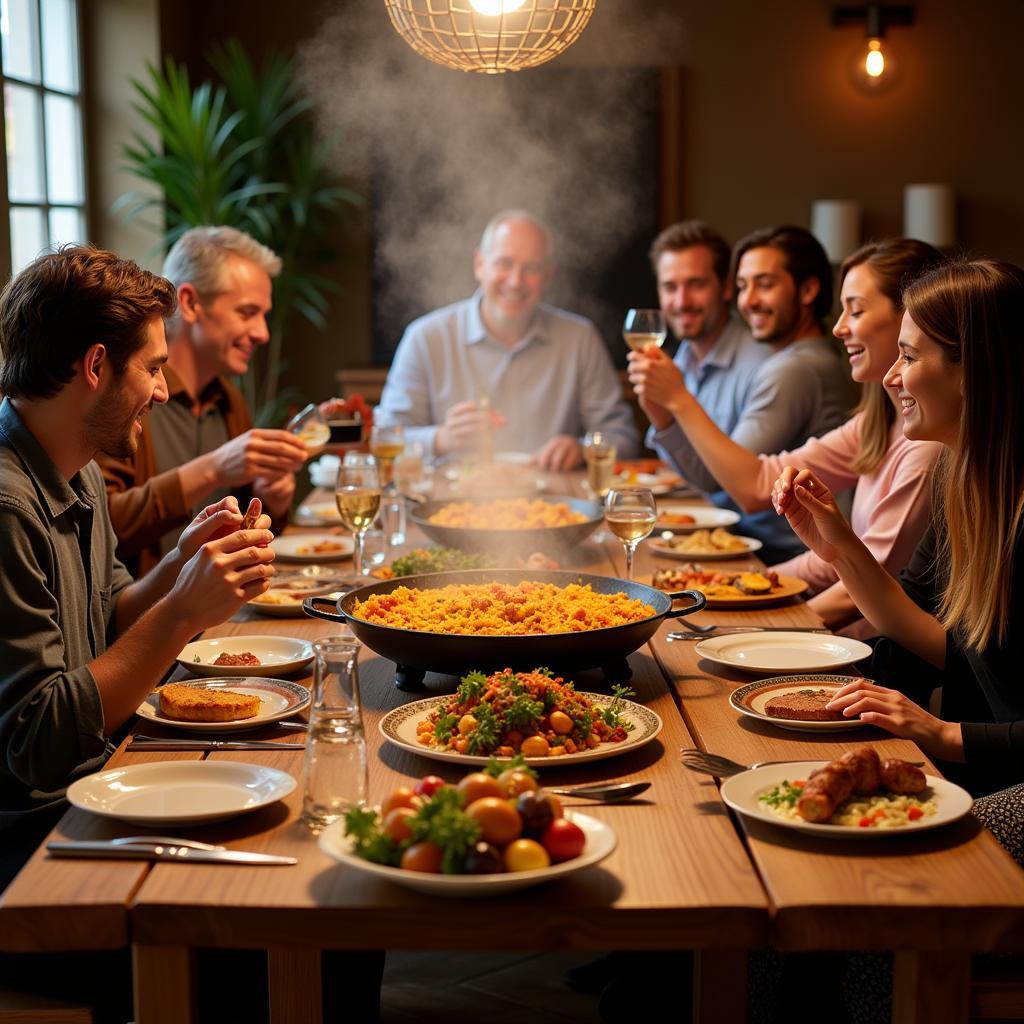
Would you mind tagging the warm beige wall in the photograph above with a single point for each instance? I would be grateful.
(118, 38)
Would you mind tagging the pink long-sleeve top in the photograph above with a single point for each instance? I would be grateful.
(891, 504)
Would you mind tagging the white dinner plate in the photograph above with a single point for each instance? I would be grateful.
(279, 698)
(671, 549)
(278, 655)
(299, 547)
(321, 513)
(741, 793)
(600, 843)
(750, 700)
(705, 517)
(782, 652)
(179, 792)
(399, 726)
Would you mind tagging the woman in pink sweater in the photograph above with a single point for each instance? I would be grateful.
(891, 475)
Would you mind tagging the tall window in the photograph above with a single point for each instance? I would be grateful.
(42, 126)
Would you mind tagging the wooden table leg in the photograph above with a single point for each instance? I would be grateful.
(295, 986)
(164, 981)
(931, 987)
(719, 985)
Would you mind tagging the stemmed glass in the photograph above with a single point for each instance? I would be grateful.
(599, 456)
(386, 444)
(310, 427)
(630, 513)
(643, 327)
(358, 496)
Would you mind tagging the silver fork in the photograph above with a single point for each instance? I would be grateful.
(695, 631)
(723, 767)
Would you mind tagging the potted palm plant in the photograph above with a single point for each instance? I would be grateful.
(243, 151)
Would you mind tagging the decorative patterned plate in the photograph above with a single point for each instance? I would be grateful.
(399, 726)
(279, 698)
(750, 700)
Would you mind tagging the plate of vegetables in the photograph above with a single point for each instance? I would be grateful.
(493, 832)
(534, 714)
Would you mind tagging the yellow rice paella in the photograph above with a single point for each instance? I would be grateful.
(507, 514)
(500, 609)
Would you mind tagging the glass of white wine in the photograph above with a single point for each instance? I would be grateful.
(630, 513)
(358, 496)
(386, 444)
(310, 427)
(643, 327)
(599, 456)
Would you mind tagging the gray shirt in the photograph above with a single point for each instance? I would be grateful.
(59, 585)
(558, 379)
(771, 405)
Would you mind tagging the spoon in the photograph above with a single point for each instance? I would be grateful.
(605, 792)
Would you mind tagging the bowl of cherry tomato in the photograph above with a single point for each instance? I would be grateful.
(494, 831)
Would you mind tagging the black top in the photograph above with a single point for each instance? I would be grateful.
(981, 689)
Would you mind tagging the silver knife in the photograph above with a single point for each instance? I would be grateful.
(138, 743)
(158, 851)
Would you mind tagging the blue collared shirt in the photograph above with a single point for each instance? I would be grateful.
(558, 379)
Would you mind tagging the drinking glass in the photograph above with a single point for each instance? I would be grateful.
(386, 444)
(643, 327)
(334, 777)
(630, 513)
(599, 456)
(357, 494)
(310, 427)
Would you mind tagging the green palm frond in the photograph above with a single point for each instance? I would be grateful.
(243, 151)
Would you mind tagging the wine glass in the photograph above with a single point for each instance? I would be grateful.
(599, 456)
(630, 513)
(358, 496)
(643, 327)
(386, 444)
(310, 427)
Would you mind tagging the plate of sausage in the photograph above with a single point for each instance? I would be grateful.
(857, 796)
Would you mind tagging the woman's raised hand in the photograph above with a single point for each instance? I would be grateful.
(813, 513)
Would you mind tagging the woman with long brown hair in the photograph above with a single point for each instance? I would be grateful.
(954, 618)
(890, 473)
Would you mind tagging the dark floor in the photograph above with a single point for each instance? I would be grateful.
(499, 988)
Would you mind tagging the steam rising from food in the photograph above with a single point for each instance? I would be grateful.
(447, 150)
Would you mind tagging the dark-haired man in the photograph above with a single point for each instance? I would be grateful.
(797, 388)
(82, 340)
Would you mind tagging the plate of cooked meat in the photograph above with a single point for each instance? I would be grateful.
(688, 518)
(748, 589)
(857, 796)
(245, 656)
(795, 702)
(313, 547)
(223, 705)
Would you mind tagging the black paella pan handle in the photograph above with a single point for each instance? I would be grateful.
(698, 599)
(309, 606)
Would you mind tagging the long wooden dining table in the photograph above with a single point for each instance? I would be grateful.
(686, 874)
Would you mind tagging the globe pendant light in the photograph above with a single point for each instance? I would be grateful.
(490, 36)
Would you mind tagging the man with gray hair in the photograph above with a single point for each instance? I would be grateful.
(503, 365)
(201, 445)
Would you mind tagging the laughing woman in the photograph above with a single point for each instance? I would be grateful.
(954, 620)
(891, 474)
